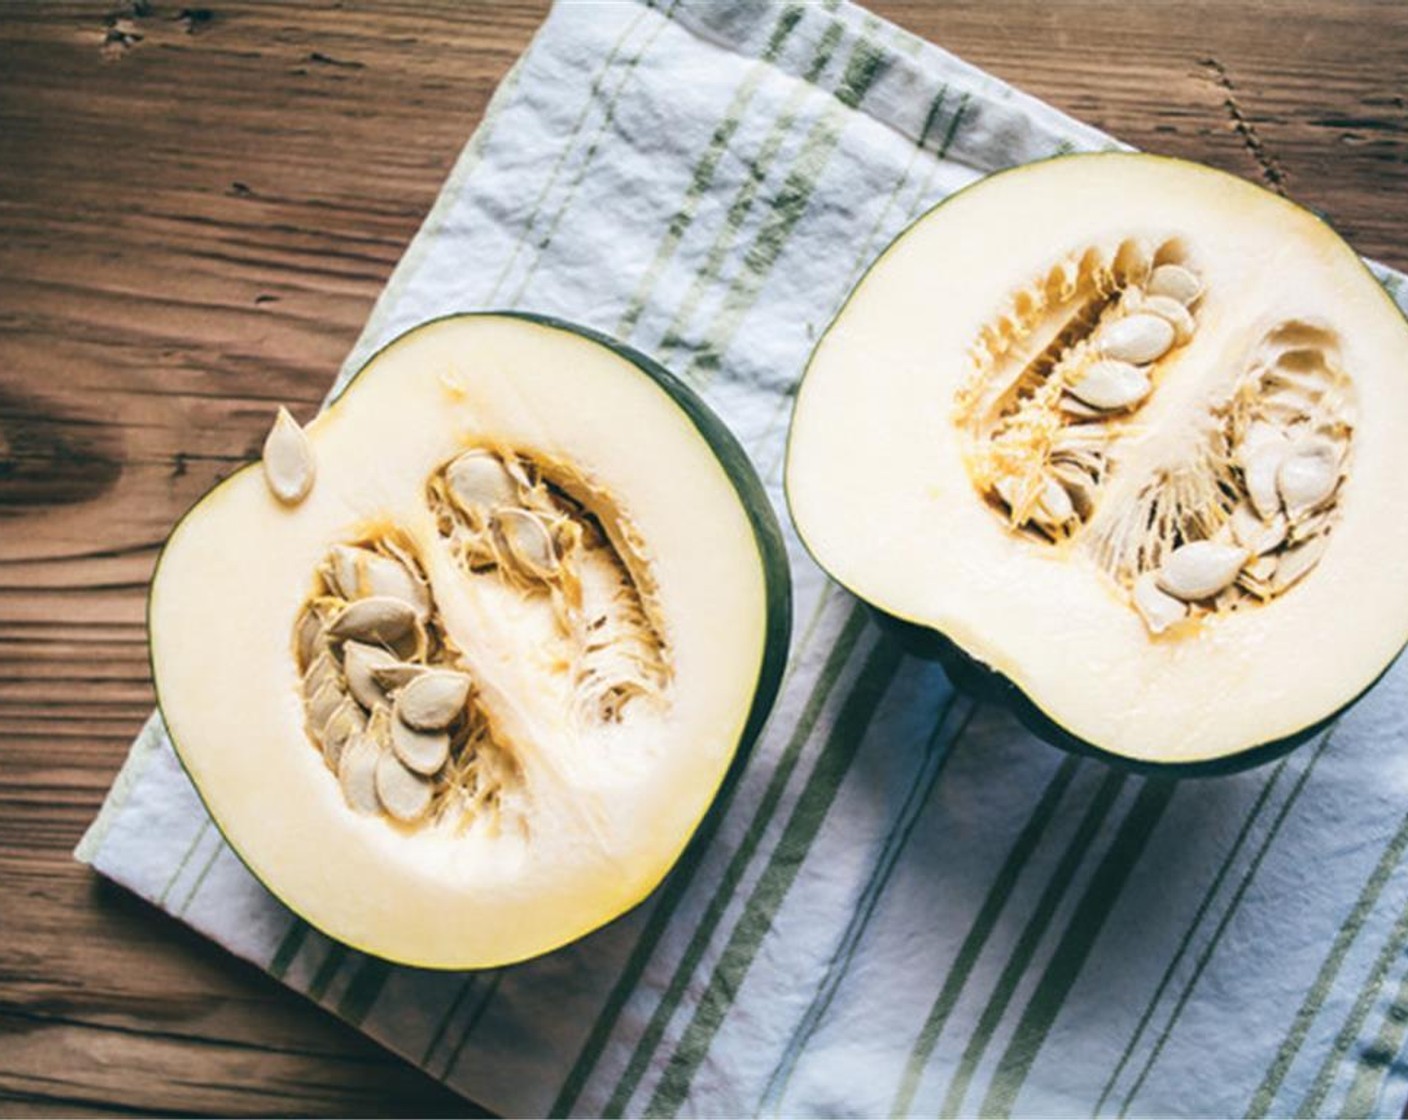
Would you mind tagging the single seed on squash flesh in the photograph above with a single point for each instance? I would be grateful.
(479, 482)
(1200, 570)
(378, 618)
(403, 793)
(1158, 609)
(1252, 533)
(528, 541)
(1136, 339)
(1175, 314)
(288, 459)
(1111, 385)
(422, 751)
(359, 662)
(1175, 282)
(356, 773)
(1307, 477)
(433, 700)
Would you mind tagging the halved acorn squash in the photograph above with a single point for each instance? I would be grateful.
(1125, 436)
(459, 671)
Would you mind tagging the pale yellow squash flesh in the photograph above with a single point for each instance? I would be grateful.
(607, 812)
(877, 484)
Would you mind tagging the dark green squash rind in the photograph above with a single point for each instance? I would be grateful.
(972, 676)
(772, 554)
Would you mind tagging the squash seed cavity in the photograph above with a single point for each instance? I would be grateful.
(564, 549)
(1062, 374)
(386, 696)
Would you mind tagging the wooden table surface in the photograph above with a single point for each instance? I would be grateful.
(198, 206)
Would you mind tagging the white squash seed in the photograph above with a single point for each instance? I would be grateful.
(356, 773)
(288, 459)
(359, 661)
(378, 618)
(422, 751)
(527, 541)
(1158, 609)
(404, 794)
(1307, 477)
(1175, 314)
(479, 483)
(1111, 384)
(1175, 282)
(1200, 569)
(433, 700)
(1137, 339)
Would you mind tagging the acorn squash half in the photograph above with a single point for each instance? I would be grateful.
(459, 672)
(1125, 436)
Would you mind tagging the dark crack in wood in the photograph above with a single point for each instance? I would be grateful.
(1271, 170)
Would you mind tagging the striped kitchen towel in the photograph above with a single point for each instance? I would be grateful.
(907, 906)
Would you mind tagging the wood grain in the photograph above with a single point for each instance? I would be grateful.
(198, 206)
